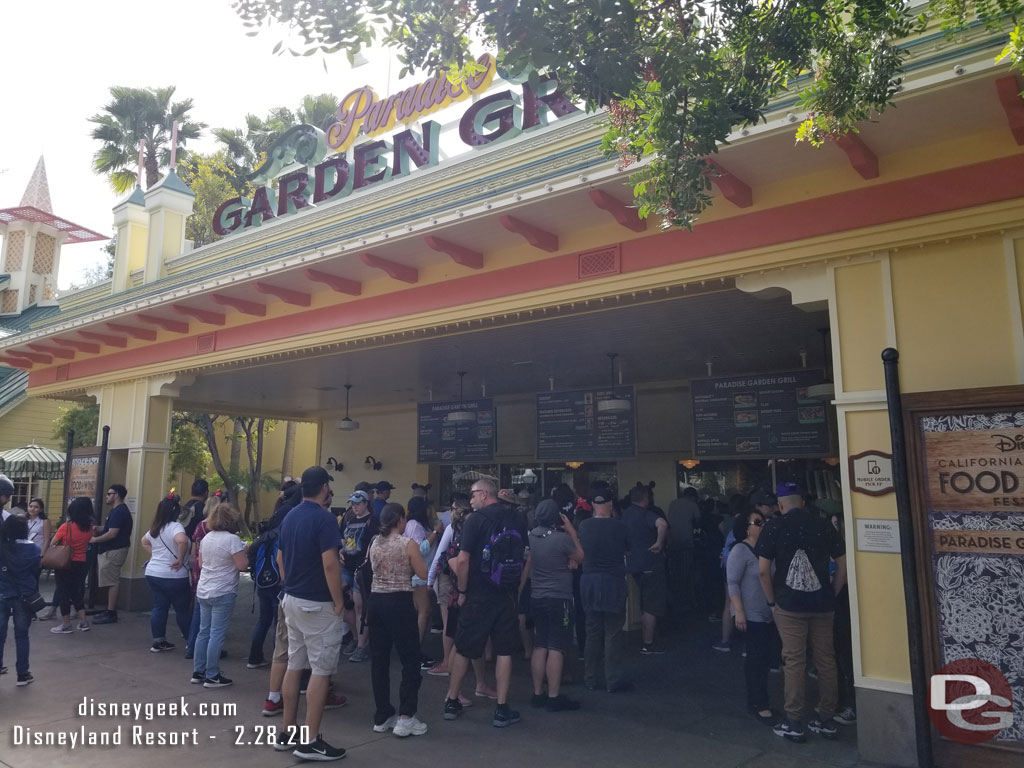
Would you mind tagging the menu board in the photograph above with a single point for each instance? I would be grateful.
(442, 441)
(761, 415)
(571, 427)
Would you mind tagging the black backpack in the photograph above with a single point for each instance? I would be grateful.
(364, 580)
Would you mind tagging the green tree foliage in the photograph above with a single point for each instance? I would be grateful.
(189, 452)
(247, 147)
(676, 76)
(83, 419)
(135, 114)
(210, 178)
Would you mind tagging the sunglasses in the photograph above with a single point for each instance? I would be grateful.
(758, 523)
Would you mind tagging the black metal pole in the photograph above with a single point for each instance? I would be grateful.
(67, 471)
(97, 513)
(908, 558)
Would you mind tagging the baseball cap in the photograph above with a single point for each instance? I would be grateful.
(384, 485)
(602, 496)
(788, 489)
(317, 476)
(357, 497)
(763, 498)
(507, 496)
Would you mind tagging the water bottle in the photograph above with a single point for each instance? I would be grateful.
(485, 559)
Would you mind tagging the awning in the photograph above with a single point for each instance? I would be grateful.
(33, 461)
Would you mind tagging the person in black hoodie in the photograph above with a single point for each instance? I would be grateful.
(19, 572)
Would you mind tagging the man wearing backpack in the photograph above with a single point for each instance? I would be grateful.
(803, 602)
(489, 570)
(266, 582)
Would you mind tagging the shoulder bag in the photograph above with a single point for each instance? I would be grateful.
(59, 556)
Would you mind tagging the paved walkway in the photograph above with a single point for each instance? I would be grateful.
(687, 710)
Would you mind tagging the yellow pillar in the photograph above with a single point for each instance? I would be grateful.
(139, 415)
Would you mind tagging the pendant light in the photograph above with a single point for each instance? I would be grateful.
(347, 424)
(614, 404)
(461, 416)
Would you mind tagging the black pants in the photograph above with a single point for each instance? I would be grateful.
(71, 587)
(391, 620)
(843, 642)
(581, 617)
(762, 643)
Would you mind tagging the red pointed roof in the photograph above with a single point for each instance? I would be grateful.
(36, 206)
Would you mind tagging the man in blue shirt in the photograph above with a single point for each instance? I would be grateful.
(307, 558)
(381, 493)
(113, 543)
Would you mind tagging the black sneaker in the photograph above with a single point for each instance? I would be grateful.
(25, 679)
(427, 663)
(791, 731)
(623, 686)
(561, 703)
(824, 728)
(287, 739)
(504, 716)
(651, 649)
(160, 646)
(319, 750)
(452, 709)
(216, 682)
(198, 678)
(538, 700)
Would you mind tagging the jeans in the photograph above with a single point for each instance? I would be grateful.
(761, 646)
(15, 606)
(168, 593)
(604, 644)
(71, 586)
(193, 631)
(391, 620)
(214, 617)
(268, 615)
(796, 630)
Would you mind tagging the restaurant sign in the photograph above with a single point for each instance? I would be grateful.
(327, 174)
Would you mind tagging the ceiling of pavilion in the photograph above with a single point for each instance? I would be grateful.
(658, 341)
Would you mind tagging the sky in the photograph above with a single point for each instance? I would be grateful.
(60, 58)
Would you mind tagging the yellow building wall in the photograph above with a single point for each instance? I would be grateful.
(953, 311)
(31, 421)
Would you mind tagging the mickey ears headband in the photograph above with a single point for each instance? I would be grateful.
(650, 484)
(424, 487)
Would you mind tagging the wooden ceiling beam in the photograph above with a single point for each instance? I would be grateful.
(863, 160)
(132, 331)
(336, 283)
(202, 315)
(535, 236)
(174, 326)
(81, 346)
(16, 362)
(395, 270)
(288, 296)
(1009, 97)
(458, 253)
(35, 357)
(65, 354)
(622, 213)
(104, 338)
(732, 189)
(253, 308)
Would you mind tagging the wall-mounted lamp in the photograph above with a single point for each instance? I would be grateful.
(333, 462)
(574, 464)
(688, 463)
(832, 461)
(371, 463)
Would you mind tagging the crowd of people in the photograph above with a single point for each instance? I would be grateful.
(550, 582)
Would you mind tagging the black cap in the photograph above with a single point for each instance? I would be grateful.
(602, 496)
(384, 485)
(764, 499)
(316, 476)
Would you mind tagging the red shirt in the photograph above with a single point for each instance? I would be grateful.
(79, 540)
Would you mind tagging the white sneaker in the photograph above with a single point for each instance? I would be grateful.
(409, 726)
(387, 725)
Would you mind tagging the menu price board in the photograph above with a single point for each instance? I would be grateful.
(759, 415)
(443, 441)
(571, 427)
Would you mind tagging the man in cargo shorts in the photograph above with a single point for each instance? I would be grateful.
(312, 603)
(113, 543)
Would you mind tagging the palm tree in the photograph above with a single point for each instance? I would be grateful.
(247, 147)
(321, 111)
(135, 114)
